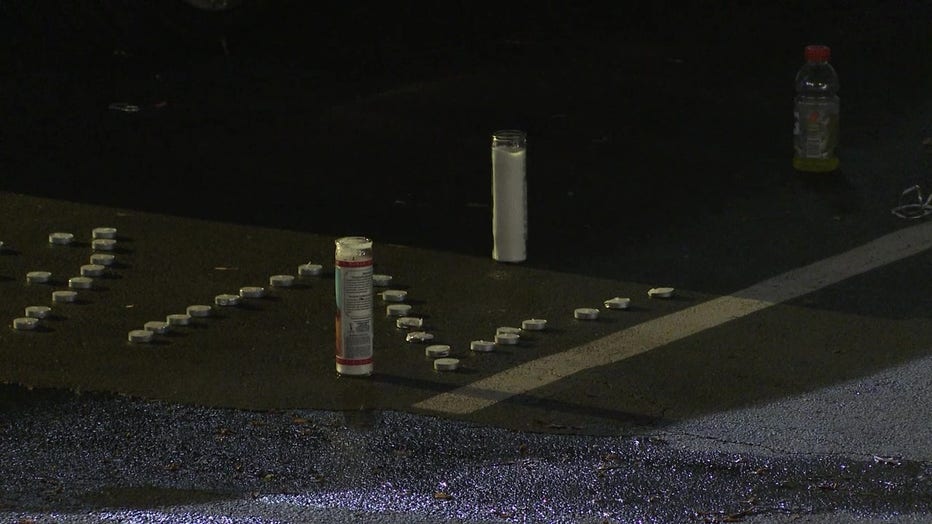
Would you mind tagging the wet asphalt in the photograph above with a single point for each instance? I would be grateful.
(88, 458)
(658, 155)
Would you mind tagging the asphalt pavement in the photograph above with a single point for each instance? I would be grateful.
(788, 378)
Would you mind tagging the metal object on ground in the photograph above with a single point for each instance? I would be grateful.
(103, 259)
(394, 295)
(397, 310)
(140, 336)
(252, 292)
(227, 300)
(38, 277)
(92, 270)
(507, 339)
(310, 270)
(618, 303)
(104, 232)
(199, 310)
(534, 324)
(60, 297)
(482, 346)
(61, 239)
(25, 323)
(38, 311)
(437, 350)
(446, 364)
(586, 313)
(178, 319)
(661, 292)
(281, 280)
(409, 322)
(381, 280)
(103, 244)
(80, 282)
(157, 326)
(419, 336)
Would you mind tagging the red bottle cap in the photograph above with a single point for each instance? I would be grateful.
(817, 53)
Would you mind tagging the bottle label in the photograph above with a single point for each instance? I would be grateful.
(816, 131)
(354, 312)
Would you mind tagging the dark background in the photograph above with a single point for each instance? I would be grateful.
(374, 118)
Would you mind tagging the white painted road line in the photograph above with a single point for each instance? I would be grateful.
(675, 326)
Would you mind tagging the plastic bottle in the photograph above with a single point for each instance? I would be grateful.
(816, 112)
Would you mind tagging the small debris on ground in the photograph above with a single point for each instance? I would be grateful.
(419, 336)
(893, 461)
(911, 208)
(124, 107)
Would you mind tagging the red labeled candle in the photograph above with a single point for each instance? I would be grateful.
(353, 283)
